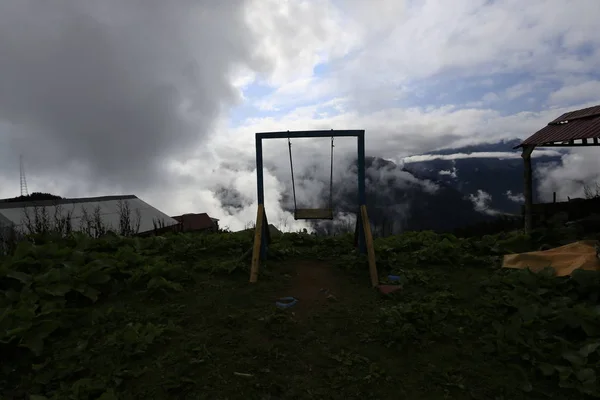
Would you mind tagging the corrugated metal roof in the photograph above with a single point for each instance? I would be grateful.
(43, 203)
(573, 125)
(583, 113)
(108, 207)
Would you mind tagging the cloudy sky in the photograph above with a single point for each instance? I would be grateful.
(162, 98)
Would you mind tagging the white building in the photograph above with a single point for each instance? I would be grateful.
(84, 213)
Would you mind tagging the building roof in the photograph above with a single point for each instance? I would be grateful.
(579, 125)
(4, 221)
(273, 231)
(41, 203)
(193, 222)
(108, 207)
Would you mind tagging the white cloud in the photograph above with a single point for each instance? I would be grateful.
(457, 156)
(379, 55)
(521, 89)
(578, 93)
(403, 178)
(451, 173)
(490, 97)
(517, 197)
(466, 35)
(579, 168)
(396, 132)
(481, 201)
(297, 35)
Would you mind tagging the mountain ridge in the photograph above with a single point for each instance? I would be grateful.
(468, 190)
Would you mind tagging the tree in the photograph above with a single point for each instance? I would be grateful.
(591, 192)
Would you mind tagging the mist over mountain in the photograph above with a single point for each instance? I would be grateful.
(501, 146)
(437, 194)
(442, 190)
(499, 179)
(398, 200)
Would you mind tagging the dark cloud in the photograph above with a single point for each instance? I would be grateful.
(116, 86)
(232, 200)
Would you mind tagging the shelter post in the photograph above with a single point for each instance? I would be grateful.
(576, 128)
(528, 187)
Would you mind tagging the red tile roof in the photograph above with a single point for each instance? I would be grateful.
(574, 125)
(195, 222)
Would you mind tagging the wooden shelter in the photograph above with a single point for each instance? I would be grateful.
(579, 128)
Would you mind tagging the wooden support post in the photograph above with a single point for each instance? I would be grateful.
(369, 244)
(357, 228)
(554, 197)
(265, 238)
(528, 187)
(256, 250)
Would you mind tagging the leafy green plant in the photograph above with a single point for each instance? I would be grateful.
(89, 318)
(135, 338)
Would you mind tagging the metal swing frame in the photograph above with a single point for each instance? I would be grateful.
(362, 236)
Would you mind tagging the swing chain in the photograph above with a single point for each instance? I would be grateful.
(330, 176)
(331, 179)
(292, 171)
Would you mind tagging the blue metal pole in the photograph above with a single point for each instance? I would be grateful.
(259, 170)
(361, 170)
(309, 134)
(361, 189)
(261, 193)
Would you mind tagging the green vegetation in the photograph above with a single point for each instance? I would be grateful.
(174, 317)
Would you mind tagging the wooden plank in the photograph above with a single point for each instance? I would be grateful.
(370, 248)
(266, 225)
(257, 242)
(313, 213)
(356, 232)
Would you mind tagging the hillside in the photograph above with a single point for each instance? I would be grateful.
(174, 317)
(35, 196)
(399, 200)
(501, 178)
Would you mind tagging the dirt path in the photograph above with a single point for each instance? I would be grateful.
(317, 285)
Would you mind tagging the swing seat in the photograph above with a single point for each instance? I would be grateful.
(313, 213)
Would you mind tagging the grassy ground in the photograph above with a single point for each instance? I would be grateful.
(176, 318)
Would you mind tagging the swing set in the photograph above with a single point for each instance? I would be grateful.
(312, 213)
(362, 234)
